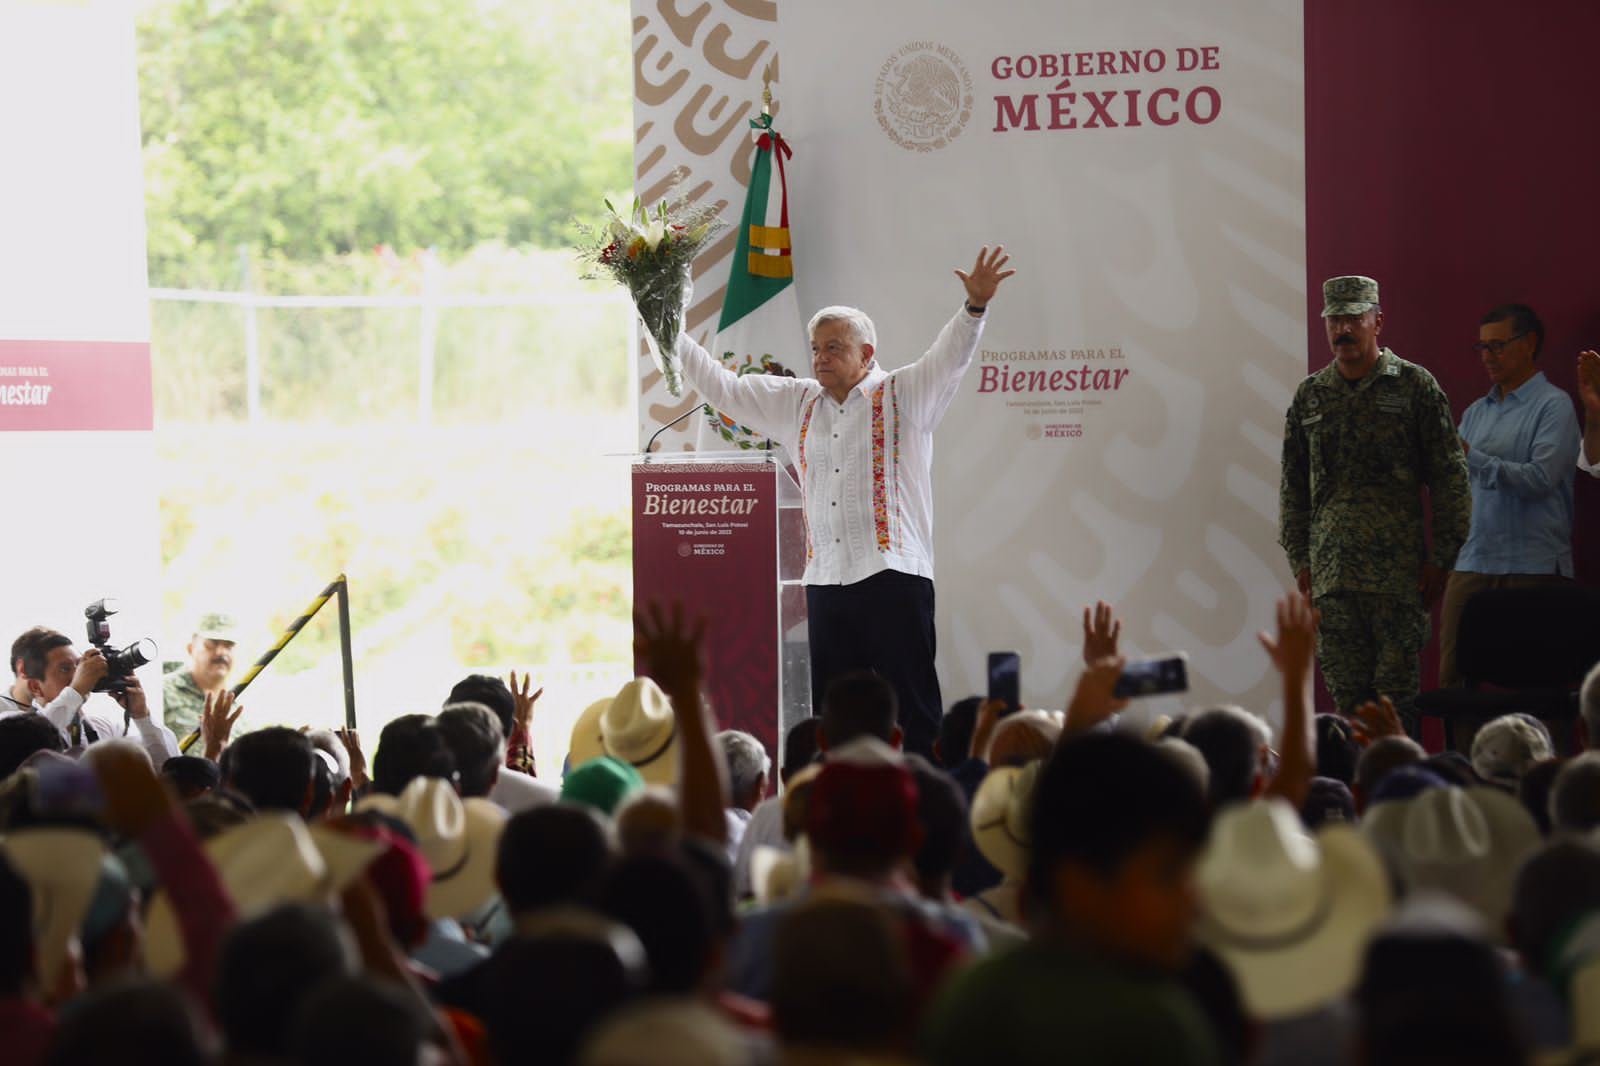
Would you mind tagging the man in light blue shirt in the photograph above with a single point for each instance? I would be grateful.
(1519, 441)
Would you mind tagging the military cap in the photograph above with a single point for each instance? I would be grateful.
(217, 626)
(1348, 295)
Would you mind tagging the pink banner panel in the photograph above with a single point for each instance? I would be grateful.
(705, 535)
(75, 385)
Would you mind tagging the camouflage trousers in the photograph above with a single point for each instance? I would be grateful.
(1370, 645)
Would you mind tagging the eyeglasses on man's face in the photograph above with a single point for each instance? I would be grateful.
(1496, 347)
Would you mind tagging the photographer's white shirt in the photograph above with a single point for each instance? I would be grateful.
(156, 739)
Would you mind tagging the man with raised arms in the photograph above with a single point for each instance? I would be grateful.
(862, 438)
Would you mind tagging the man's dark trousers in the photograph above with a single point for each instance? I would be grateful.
(884, 623)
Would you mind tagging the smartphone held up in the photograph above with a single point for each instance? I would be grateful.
(1155, 676)
(1005, 680)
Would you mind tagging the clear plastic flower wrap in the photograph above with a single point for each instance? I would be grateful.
(651, 252)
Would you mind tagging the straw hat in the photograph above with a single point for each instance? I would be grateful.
(459, 838)
(1508, 747)
(1000, 818)
(62, 868)
(1464, 842)
(1290, 914)
(637, 726)
(776, 874)
(273, 858)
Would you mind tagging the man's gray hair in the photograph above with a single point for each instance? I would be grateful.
(861, 327)
(747, 762)
(1589, 706)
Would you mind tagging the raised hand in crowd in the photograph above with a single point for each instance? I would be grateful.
(519, 745)
(216, 722)
(986, 275)
(1101, 629)
(989, 712)
(1589, 394)
(673, 653)
(1589, 382)
(351, 739)
(1094, 700)
(1292, 651)
(671, 650)
(524, 700)
(1375, 720)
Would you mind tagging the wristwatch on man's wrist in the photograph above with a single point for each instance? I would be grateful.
(973, 310)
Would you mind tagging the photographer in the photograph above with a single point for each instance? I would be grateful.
(60, 682)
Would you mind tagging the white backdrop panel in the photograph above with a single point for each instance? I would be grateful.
(1161, 241)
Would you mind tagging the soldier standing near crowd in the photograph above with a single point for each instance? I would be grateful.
(184, 689)
(1363, 435)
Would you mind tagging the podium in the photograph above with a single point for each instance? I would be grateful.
(724, 534)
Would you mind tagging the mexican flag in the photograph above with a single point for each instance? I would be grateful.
(761, 330)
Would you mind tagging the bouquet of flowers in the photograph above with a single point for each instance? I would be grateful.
(650, 252)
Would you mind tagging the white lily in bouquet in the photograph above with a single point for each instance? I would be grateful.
(651, 252)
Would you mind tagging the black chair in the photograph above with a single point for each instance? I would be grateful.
(1520, 649)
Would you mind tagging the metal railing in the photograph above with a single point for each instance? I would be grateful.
(429, 302)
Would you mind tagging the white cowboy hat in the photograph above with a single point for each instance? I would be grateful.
(1290, 914)
(1508, 747)
(1464, 842)
(458, 837)
(777, 874)
(272, 858)
(637, 726)
(999, 818)
(62, 868)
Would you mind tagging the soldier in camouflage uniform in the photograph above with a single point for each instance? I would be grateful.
(1362, 437)
(184, 689)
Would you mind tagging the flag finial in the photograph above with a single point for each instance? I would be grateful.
(766, 89)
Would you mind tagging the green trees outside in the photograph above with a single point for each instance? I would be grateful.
(325, 144)
(305, 129)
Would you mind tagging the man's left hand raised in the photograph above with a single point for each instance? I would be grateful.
(987, 274)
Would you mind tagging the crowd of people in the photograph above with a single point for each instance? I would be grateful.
(1049, 886)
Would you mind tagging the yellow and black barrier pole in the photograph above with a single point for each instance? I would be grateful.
(339, 587)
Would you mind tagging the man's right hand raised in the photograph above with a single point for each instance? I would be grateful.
(91, 670)
(986, 276)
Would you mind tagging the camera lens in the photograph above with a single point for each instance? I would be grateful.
(142, 651)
